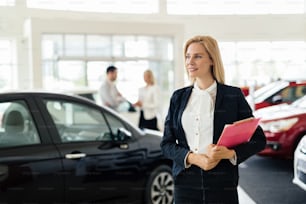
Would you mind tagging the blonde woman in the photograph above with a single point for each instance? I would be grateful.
(148, 102)
(204, 172)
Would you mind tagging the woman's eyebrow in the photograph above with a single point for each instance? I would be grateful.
(197, 53)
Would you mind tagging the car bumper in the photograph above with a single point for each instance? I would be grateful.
(278, 145)
(272, 149)
(300, 169)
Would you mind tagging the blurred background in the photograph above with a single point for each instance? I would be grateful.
(67, 44)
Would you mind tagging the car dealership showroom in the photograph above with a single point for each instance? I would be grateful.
(60, 143)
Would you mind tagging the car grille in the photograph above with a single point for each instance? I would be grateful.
(301, 165)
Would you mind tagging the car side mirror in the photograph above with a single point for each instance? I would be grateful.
(123, 134)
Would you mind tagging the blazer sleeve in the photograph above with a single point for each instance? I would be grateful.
(173, 144)
(258, 140)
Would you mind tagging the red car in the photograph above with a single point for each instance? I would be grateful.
(284, 125)
(276, 93)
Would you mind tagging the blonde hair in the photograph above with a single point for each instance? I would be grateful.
(212, 48)
(151, 76)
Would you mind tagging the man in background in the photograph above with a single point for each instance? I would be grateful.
(110, 96)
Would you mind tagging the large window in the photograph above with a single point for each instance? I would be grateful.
(7, 65)
(7, 2)
(263, 62)
(78, 60)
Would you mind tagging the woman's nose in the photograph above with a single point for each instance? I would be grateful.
(190, 60)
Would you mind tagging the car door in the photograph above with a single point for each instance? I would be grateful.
(30, 168)
(98, 166)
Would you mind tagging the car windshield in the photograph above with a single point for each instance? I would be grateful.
(300, 103)
(266, 91)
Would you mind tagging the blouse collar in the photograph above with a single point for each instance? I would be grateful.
(211, 89)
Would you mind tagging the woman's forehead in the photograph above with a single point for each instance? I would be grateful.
(196, 48)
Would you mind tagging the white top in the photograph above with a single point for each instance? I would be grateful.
(110, 95)
(197, 118)
(148, 95)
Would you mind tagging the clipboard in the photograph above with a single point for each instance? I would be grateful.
(239, 132)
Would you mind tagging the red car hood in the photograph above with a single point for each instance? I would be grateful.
(278, 112)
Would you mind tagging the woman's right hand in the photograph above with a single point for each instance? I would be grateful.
(138, 103)
(202, 160)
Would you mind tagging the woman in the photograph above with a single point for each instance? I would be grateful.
(148, 102)
(204, 172)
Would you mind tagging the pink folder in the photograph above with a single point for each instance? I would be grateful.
(238, 132)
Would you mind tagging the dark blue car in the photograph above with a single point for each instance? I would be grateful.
(57, 148)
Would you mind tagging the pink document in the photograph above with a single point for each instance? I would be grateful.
(238, 132)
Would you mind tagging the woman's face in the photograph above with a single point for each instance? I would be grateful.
(197, 61)
(146, 77)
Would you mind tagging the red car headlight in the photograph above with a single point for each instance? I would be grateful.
(279, 125)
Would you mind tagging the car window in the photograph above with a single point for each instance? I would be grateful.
(300, 103)
(267, 91)
(77, 122)
(300, 91)
(114, 123)
(292, 93)
(16, 125)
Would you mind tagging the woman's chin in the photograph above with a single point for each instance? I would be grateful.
(192, 75)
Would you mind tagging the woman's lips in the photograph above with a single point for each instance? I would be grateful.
(192, 69)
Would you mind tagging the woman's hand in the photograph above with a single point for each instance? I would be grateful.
(138, 103)
(216, 152)
(211, 159)
(202, 160)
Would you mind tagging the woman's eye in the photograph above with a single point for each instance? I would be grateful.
(198, 56)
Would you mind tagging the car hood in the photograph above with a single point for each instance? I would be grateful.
(153, 132)
(278, 111)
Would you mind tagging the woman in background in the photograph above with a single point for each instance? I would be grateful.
(148, 102)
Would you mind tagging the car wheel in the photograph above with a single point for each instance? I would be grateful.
(160, 186)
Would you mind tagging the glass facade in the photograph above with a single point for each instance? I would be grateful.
(71, 61)
(263, 62)
(7, 64)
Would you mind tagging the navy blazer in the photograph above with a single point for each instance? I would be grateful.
(230, 106)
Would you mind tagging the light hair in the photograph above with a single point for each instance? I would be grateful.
(212, 48)
(151, 76)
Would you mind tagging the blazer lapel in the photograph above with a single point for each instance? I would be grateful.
(218, 112)
(185, 98)
(219, 96)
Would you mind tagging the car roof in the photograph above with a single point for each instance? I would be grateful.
(34, 91)
(269, 89)
(39, 93)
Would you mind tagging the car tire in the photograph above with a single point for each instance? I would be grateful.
(160, 186)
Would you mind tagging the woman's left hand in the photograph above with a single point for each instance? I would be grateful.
(138, 103)
(219, 152)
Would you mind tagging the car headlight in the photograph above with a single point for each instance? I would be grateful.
(279, 125)
(302, 145)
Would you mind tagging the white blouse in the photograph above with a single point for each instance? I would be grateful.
(197, 118)
(148, 95)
